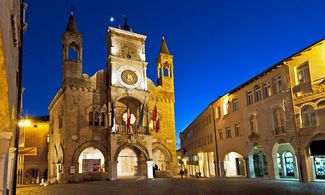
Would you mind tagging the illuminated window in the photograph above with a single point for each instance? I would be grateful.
(237, 130)
(235, 104)
(220, 134)
(90, 119)
(96, 119)
(218, 112)
(228, 132)
(258, 93)
(226, 107)
(276, 84)
(267, 92)
(250, 97)
(303, 73)
(308, 116)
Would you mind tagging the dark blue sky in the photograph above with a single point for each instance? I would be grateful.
(217, 44)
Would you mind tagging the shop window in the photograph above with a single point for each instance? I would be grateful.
(308, 116)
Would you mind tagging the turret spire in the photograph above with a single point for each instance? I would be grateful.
(163, 46)
(72, 26)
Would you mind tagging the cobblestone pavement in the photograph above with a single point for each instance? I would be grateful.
(179, 186)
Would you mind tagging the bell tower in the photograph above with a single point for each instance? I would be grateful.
(165, 67)
(71, 51)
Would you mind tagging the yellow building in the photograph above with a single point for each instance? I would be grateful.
(33, 150)
(117, 122)
(272, 125)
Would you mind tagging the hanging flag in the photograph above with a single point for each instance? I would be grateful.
(113, 118)
(128, 121)
(157, 125)
(140, 123)
(155, 113)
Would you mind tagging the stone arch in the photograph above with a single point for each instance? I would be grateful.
(81, 147)
(233, 164)
(167, 156)
(4, 105)
(139, 147)
(321, 103)
(317, 136)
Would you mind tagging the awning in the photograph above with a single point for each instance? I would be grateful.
(28, 151)
(317, 147)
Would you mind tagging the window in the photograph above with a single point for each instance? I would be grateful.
(258, 93)
(250, 97)
(267, 92)
(308, 116)
(252, 124)
(235, 104)
(211, 139)
(220, 134)
(276, 84)
(90, 119)
(218, 112)
(102, 121)
(279, 119)
(226, 107)
(303, 73)
(228, 132)
(96, 119)
(237, 130)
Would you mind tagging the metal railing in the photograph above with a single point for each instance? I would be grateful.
(122, 129)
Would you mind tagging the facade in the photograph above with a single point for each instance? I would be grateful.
(198, 143)
(117, 122)
(9, 54)
(33, 151)
(272, 125)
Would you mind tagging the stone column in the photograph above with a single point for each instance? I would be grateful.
(250, 167)
(150, 169)
(270, 167)
(112, 173)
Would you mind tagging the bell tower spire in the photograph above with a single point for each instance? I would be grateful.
(165, 66)
(72, 51)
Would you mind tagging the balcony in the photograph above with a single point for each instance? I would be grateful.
(280, 131)
(254, 136)
(122, 129)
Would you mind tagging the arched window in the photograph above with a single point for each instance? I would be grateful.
(308, 116)
(96, 119)
(102, 120)
(90, 119)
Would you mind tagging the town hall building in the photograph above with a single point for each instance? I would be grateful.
(117, 122)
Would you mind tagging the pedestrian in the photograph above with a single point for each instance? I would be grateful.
(185, 172)
(182, 173)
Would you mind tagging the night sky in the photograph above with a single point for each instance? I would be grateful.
(217, 45)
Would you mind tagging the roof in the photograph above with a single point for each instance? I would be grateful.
(278, 64)
(72, 26)
(163, 46)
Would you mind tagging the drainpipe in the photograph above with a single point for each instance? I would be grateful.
(19, 96)
(216, 142)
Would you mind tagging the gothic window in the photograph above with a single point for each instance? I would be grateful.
(258, 93)
(279, 119)
(90, 119)
(73, 52)
(308, 116)
(96, 119)
(102, 121)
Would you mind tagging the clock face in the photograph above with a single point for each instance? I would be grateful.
(128, 76)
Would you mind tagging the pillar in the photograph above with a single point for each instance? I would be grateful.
(270, 167)
(112, 172)
(150, 169)
(250, 167)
